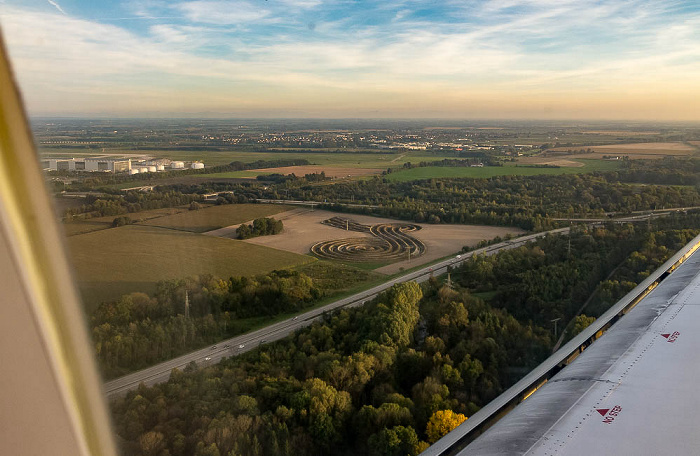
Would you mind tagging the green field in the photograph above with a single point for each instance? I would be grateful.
(509, 169)
(215, 217)
(102, 223)
(109, 263)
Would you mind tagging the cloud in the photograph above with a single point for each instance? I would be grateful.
(221, 54)
(58, 7)
(222, 12)
(301, 3)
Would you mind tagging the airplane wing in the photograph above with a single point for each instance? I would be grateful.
(631, 392)
(51, 400)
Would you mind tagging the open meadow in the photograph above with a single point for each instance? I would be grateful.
(109, 263)
(102, 223)
(214, 217)
(508, 169)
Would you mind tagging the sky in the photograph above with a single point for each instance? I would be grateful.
(457, 59)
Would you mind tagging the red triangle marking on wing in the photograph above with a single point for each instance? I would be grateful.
(602, 411)
(665, 335)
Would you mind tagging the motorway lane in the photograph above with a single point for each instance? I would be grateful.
(245, 342)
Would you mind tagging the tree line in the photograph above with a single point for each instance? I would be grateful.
(127, 203)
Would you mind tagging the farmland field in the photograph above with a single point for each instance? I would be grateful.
(101, 223)
(215, 217)
(633, 151)
(509, 169)
(109, 263)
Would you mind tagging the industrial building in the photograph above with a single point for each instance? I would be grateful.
(115, 165)
(87, 164)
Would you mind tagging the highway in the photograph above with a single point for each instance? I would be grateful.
(245, 342)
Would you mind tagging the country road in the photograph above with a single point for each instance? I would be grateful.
(245, 342)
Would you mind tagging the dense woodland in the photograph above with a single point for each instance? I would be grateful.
(394, 375)
(139, 330)
(365, 381)
(551, 278)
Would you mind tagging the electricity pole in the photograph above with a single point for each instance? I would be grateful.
(555, 326)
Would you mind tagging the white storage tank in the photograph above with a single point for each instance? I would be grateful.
(160, 167)
(134, 171)
(197, 165)
(177, 165)
(144, 169)
(151, 169)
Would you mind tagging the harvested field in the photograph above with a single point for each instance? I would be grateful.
(665, 147)
(303, 228)
(331, 171)
(554, 161)
(112, 262)
(621, 133)
(633, 151)
(214, 217)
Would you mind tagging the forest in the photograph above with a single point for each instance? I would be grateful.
(371, 380)
(138, 330)
(553, 276)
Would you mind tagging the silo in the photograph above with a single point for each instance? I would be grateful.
(134, 171)
(177, 165)
(160, 167)
(143, 169)
(197, 165)
(151, 169)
